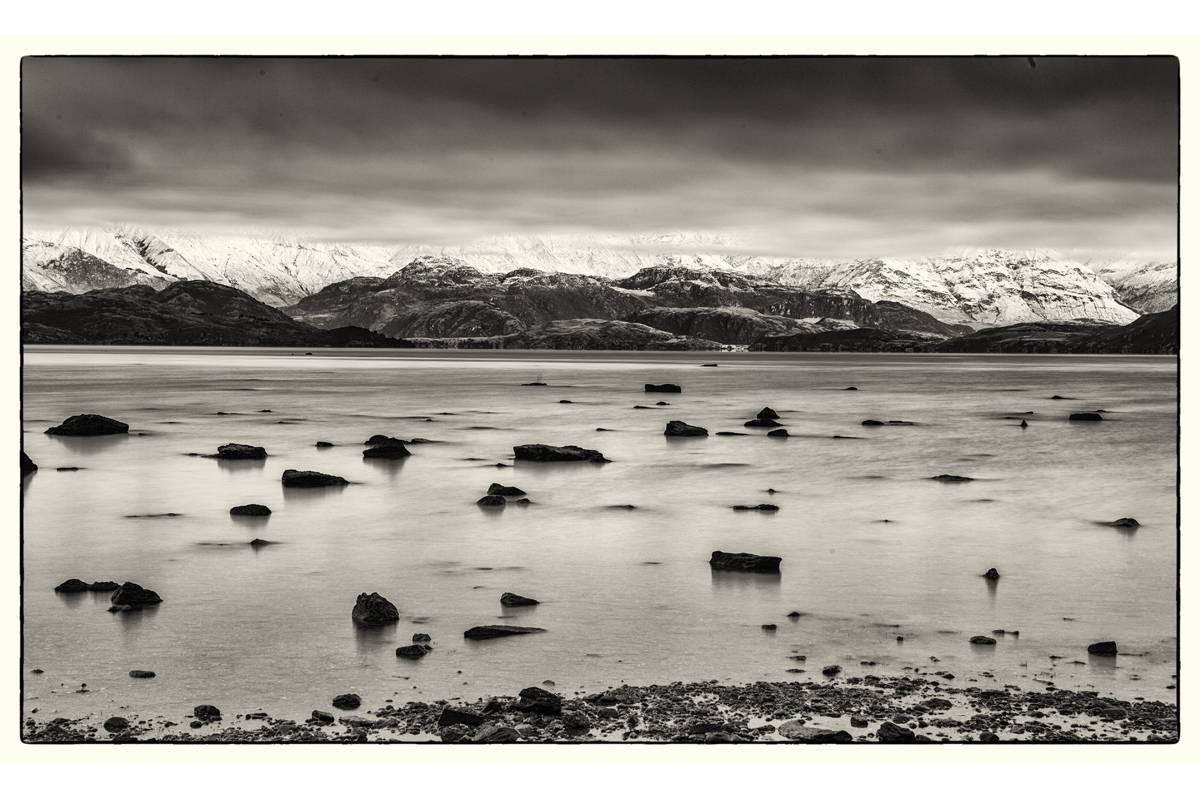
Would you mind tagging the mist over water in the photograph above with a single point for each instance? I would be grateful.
(626, 594)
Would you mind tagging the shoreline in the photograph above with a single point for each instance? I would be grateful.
(869, 709)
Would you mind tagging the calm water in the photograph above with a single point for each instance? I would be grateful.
(627, 595)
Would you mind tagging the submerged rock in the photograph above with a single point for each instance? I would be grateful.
(778, 432)
(758, 422)
(1103, 649)
(372, 610)
(1024, 424)
(507, 491)
(88, 425)
(992, 574)
(1124, 522)
(546, 452)
(663, 387)
(508, 599)
(73, 586)
(982, 640)
(678, 428)
(391, 451)
(130, 595)
(413, 651)
(347, 702)
(250, 510)
(27, 465)
(306, 479)
(240, 452)
(491, 500)
(324, 444)
(1086, 417)
(767, 413)
(380, 440)
(744, 562)
(104, 586)
(759, 507)
(421, 637)
(496, 631)
(951, 478)
(141, 673)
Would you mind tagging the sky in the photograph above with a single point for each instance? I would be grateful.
(794, 157)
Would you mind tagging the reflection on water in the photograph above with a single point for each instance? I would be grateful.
(240, 464)
(88, 445)
(723, 580)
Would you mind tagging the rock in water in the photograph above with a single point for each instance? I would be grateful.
(798, 732)
(27, 465)
(1125, 522)
(951, 478)
(1103, 649)
(372, 610)
(508, 599)
(251, 510)
(347, 702)
(992, 574)
(305, 479)
(982, 640)
(72, 586)
(767, 413)
(762, 423)
(535, 700)
(778, 432)
(546, 452)
(1024, 424)
(242, 452)
(380, 440)
(104, 586)
(88, 425)
(140, 673)
(677, 428)
(1086, 417)
(663, 387)
(413, 651)
(491, 500)
(744, 562)
(507, 491)
(324, 444)
(392, 451)
(870, 422)
(759, 507)
(207, 713)
(130, 595)
(495, 631)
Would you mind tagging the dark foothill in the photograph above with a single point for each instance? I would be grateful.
(1103, 649)
(324, 444)
(250, 510)
(761, 423)
(206, 713)
(744, 562)
(663, 387)
(240, 452)
(88, 425)
(413, 651)
(982, 640)
(72, 586)
(759, 507)
(372, 610)
(105, 586)
(831, 670)
(421, 637)
(493, 500)
(27, 465)
(307, 479)
(536, 700)
(951, 478)
(508, 600)
(114, 724)
(1124, 522)
(507, 491)
(798, 732)
(767, 413)
(141, 673)
(1086, 416)
(392, 451)
(347, 702)
(992, 574)
(496, 631)
(678, 428)
(891, 733)
(455, 716)
(546, 452)
(770, 626)
(130, 595)
(779, 432)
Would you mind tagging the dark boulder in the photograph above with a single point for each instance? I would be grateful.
(546, 452)
(240, 452)
(251, 510)
(495, 631)
(413, 651)
(207, 713)
(1103, 649)
(951, 478)
(767, 413)
(677, 428)
(761, 423)
(114, 724)
(88, 425)
(870, 422)
(1024, 424)
(324, 444)
(1085, 417)
(130, 595)
(797, 731)
(257, 543)
(458, 716)
(379, 440)
(992, 574)
(495, 734)
(140, 673)
(982, 640)
(744, 562)
(392, 451)
(307, 479)
(508, 599)
(491, 500)
(347, 702)
(104, 586)
(891, 733)
(507, 491)
(27, 465)
(662, 403)
(321, 717)
(760, 507)
(778, 432)
(372, 610)
(72, 586)
(1125, 522)
(535, 700)
(831, 670)
(850, 389)
(670, 388)
(769, 626)
(421, 637)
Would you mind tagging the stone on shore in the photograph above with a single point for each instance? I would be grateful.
(88, 425)
(761, 423)
(240, 452)
(373, 610)
(670, 388)
(744, 562)
(130, 595)
(1085, 417)
(891, 733)
(1103, 649)
(307, 479)
(992, 574)
(535, 700)
(546, 452)
(250, 510)
(141, 673)
(797, 731)
(347, 702)
(207, 713)
(413, 651)
(492, 733)
(506, 491)
(679, 428)
(114, 724)
(982, 640)
(491, 500)
(455, 716)
(509, 600)
(27, 465)
(496, 631)
(72, 586)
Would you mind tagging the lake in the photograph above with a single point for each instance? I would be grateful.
(626, 595)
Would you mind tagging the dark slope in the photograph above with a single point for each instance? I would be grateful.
(1151, 334)
(184, 313)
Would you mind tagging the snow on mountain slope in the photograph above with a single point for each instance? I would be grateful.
(1147, 286)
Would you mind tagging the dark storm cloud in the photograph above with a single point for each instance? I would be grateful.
(471, 146)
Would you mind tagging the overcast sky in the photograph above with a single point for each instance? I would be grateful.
(801, 157)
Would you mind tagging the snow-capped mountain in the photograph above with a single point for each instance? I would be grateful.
(1146, 286)
(990, 287)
